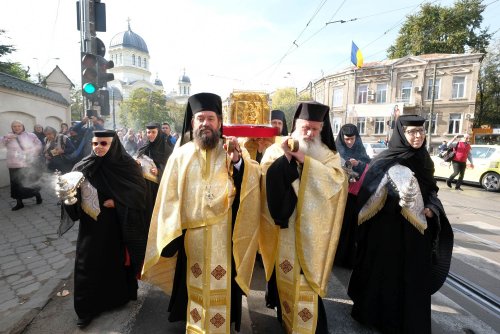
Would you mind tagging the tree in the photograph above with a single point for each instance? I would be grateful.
(77, 110)
(175, 115)
(488, 95)
(285, 99)
(143, 106)
(437, 29)
(14, 69)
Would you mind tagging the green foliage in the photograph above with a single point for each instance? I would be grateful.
(143, 106)
(285, 99)
(488, 95)
(437, 29)
(14, 69)
(175, 115)
(77, 110)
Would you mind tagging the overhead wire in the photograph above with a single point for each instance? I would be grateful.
(294, 43)
(396, 25)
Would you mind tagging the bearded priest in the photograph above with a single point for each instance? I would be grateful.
(205, 223)
(304, 196)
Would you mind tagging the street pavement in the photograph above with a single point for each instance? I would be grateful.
(35, 264)
(33, 259)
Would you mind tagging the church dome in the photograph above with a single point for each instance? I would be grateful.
(129, 39)
(184, 79)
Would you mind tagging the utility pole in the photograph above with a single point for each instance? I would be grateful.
(87, 26)
(87, 35)
(431, 113)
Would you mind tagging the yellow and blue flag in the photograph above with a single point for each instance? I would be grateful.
(356, 56)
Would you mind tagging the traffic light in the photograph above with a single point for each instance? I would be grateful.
(89, 76)
(103, 76)
(104, 102)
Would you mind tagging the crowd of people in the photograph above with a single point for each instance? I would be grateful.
(192, 213)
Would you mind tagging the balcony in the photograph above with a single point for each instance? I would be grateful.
(406, 101)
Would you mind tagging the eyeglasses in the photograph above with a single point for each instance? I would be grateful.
(103, 143)
(414, 132)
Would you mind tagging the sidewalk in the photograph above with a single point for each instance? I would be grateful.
(34, 262)
(33, 259)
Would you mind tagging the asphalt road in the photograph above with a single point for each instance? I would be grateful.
(474, 211)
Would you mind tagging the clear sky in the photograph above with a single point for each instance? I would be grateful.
(222, 44)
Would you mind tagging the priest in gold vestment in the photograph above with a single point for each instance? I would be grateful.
(205, 223)
(304, 195)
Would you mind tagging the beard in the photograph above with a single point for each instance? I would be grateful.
(207, 141)
(312, 148)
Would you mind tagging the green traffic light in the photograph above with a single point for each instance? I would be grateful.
(89, 88)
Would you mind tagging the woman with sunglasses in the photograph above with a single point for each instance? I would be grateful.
(112, 235)
(404, 238)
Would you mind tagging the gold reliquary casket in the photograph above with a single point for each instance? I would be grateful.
(248, 114)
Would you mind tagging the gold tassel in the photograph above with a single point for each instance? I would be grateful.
(373, 209)
(413, 220)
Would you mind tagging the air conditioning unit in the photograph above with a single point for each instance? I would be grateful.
(418, 89)
(371, 97)
(469, 116)
(371, 92)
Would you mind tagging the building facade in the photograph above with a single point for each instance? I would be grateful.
(373, 96)
(130, 55)
(47, 105)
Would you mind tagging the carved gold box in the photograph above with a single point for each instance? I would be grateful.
(248, 108)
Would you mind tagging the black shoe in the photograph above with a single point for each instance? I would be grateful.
(38, 199)
(18, 206)
(460, 189)
(448, 183)
(84, 322)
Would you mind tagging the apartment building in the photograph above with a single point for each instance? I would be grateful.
(373, 96)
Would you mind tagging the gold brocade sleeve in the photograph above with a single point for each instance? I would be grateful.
(320, 210)
(269, 231)
(246, 227)
(156, 271)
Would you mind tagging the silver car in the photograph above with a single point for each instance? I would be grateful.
(373, 149)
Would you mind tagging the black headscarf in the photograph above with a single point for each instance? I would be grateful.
(159, 150)
(116, 172)
(278, 114)
(196, 103)
(357, 151)
(401, 152)
(314, 111)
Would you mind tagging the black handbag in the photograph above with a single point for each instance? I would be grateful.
(448, 155)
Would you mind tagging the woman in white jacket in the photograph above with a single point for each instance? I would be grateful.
(22, 150)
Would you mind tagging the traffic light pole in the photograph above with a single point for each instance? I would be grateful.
(87, 34)
(87, 26)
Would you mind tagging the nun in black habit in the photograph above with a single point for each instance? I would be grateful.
(404, 251)
(112, 235)
(350, 147)
(157, 149)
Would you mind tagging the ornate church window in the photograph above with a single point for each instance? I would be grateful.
(139, 61)
(133, 59)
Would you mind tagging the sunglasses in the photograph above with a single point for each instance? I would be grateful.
(103, 143)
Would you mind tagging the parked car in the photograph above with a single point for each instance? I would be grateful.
(486, 171)
(373, 149)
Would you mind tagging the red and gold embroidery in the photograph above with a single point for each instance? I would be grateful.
(218, 272)
(217, 320)
(305, 315)
(286, 266)
(196, 270)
